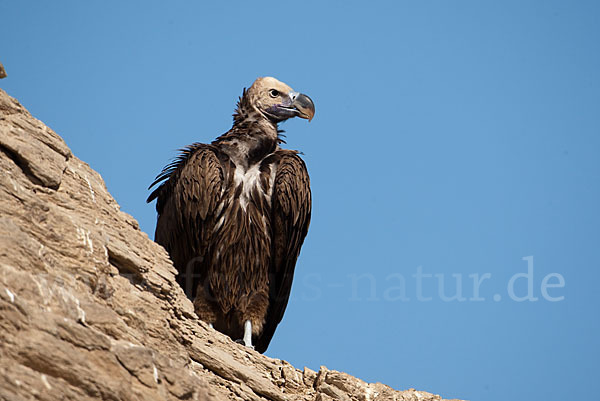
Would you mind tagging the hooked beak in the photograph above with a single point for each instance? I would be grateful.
(304, 106)
(294, 105)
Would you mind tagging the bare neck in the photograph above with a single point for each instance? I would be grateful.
(252, 137)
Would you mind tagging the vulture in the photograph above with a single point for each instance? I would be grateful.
(234, 213)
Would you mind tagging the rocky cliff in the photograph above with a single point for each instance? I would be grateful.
(89, 306)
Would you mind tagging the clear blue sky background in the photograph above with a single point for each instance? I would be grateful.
(454, 137)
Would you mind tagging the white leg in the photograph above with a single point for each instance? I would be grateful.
(248, 334)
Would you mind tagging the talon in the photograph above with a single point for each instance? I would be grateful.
(241, 342)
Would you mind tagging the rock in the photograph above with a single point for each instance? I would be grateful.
(89, 305)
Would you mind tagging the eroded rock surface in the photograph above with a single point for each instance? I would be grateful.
(89, 306)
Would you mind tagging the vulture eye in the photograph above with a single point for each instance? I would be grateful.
(274, 93)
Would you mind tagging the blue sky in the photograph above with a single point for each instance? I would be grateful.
(452, 139)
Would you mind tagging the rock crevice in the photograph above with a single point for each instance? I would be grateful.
(89, 305)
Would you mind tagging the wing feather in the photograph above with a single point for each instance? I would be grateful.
(187, 204)
(291, 209)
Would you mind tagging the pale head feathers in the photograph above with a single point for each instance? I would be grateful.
(267, 92)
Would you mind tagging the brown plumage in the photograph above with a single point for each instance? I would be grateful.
(233, 215)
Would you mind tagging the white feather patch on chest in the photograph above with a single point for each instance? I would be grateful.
(250, 179)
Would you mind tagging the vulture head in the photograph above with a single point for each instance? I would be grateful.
(278, 101)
